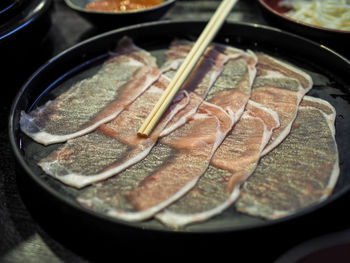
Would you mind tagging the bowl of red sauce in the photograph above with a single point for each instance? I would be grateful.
(118, 13)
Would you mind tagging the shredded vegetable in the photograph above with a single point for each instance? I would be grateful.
(334, 14)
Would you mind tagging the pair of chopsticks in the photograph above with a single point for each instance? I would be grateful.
(187, 66)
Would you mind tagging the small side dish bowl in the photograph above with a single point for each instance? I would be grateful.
(116, 19)
(276, 16)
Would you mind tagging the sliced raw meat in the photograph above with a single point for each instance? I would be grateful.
(301, 171)
(232, 163)
(180, 150)
(113, 146)
(280, 87)
(279, 90)
(96, 100)
(171, 169)
(123, 129)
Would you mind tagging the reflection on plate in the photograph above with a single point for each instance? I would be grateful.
(328, 70)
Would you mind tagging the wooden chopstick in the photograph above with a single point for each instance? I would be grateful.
(187, 66)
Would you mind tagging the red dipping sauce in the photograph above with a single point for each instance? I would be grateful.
(121, 5)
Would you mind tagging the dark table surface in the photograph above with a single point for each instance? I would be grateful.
(24, 239)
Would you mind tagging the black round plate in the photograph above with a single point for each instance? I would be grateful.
(329, 71)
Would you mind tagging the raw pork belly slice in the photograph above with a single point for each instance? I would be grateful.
(91, 102)
(232, 163)
(280, 87)
(301, 171)
(171, 169)
(113, 146)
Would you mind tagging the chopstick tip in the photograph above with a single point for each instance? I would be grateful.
(142, 134)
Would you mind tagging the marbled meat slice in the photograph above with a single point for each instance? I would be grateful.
(113, 146)
(301, 171)
(233, 162)
(171, 169)
(96, 100)
(280, 87)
